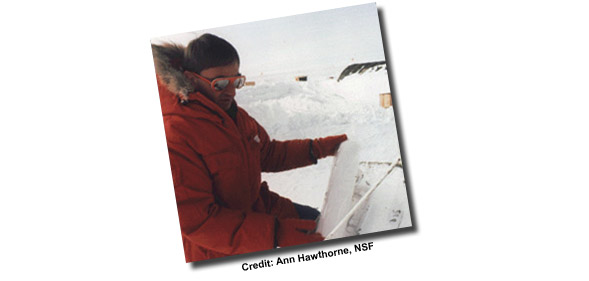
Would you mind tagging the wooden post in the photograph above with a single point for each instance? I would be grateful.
(386, 100)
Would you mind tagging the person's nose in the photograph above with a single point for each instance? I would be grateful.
(230, 91)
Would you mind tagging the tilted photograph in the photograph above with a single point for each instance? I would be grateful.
(281, 132)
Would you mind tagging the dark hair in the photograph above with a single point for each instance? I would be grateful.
(208, 51)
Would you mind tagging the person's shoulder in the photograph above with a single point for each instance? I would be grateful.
(175, 126)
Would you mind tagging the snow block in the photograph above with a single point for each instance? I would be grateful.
(338, 198)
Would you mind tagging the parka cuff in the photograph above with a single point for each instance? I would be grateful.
(311, 154)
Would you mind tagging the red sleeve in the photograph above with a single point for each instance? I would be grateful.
(279, 156)
(202, 220)
(277, 205)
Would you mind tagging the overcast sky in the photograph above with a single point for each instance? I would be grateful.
(327, 39)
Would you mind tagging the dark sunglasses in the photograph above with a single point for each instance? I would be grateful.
(221, 83)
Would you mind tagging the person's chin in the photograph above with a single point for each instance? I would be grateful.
(225, 104)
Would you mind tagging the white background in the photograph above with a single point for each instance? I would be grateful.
(491, 104)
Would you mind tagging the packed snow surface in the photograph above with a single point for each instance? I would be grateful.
(319, 107)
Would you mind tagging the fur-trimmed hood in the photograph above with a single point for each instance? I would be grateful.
(168, 60)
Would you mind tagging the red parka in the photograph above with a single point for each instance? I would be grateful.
(223, 206)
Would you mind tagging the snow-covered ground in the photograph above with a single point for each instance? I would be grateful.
(321, 107)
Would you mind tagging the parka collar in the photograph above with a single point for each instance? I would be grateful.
(168, 60)
(181, 92)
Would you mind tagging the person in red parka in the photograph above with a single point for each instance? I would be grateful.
(218, 152)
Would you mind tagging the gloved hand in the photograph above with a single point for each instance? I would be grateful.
(327, 146)
(290, 232)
